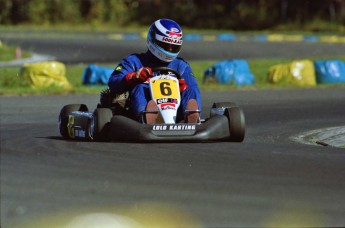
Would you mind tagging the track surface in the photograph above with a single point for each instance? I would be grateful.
(266, 180)
(98, 48)
(221, 184)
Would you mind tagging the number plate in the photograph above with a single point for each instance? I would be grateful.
(164, 88)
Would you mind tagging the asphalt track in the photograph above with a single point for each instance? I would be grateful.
(268, 180)
(84, 47)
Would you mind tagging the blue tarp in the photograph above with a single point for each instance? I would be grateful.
(94, 75)
(330, 71)
(235, 71)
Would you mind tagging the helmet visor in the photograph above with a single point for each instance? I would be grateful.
(168, 47)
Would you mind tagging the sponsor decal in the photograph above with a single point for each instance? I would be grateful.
(70, 126)
(172, 41)
(174, 32)
(174, 127)
(166, 100)
(79, 133)
(118, 68)
(168, 106)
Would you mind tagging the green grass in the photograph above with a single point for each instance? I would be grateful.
(12, 84)
(8, 53)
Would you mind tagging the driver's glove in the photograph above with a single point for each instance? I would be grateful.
(183, 85)
(142, 75)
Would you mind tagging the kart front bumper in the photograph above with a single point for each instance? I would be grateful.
(125, 129)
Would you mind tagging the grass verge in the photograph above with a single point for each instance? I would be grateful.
(12, 84)
(10, 52)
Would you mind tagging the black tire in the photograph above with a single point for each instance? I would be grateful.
(63, 116)
(101, 124)
(224, 105)
(236, 123)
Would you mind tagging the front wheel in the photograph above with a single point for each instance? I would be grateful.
(100, 124)
(64, 115)
(218, 108)
(236, 123)
(224, 104)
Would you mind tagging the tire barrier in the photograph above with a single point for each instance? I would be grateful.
(298, 73)
(94, 74)
(330, 71)
(235, 72)
(239, 37)
(302, 72)
(45, 74)
(308, 73)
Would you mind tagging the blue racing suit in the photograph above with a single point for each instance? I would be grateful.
(140, 94)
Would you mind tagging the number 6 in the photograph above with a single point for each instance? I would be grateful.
(165, 88)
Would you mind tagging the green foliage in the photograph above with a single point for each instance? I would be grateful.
(115, 11)
(37, 12)
(205, 14)
(5, 8)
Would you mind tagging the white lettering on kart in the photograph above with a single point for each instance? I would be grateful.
(159, 127)
(178, 127)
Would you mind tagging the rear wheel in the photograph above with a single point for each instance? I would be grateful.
(64, 114)
(236, 123)
(100, 124)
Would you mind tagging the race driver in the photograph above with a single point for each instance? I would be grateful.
(164, 42)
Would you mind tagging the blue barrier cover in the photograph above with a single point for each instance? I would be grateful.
(260, 38)
(94, 74)
(192, 37)
(330, 71)
(235, 71)
(226, 36)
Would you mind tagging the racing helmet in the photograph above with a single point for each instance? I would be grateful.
(164, 39)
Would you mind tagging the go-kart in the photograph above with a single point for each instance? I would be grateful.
(112, 121)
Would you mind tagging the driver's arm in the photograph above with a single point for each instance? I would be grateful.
(117, 82)
(128, 74)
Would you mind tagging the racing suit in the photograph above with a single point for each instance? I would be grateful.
(140, 94)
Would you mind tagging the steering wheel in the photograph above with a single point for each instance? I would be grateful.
(167, 69)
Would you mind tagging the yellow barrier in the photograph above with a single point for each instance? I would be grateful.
(299, 72)
(332, 39)
(45, 74)
(116, 36)
(281, 38)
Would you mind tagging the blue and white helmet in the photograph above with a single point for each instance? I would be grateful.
(164, 39)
